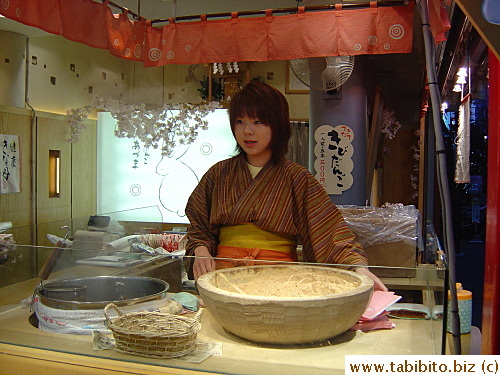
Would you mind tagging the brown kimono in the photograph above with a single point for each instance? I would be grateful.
(283, 198)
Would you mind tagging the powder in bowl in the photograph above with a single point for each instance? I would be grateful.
(286, 282)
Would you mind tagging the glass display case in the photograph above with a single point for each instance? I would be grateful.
(417, 327)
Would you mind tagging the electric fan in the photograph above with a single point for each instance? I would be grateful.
(335, 70)
(196, 72)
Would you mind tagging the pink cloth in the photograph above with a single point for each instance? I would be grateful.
(379, 322)
(379, 302)
(375, 315)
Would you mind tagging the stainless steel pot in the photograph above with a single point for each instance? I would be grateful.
(64, 292)
(97, 292)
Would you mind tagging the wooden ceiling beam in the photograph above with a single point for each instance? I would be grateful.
(488, 31)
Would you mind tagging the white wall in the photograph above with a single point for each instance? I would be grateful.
(54, 56)
(78, 69)
(12, 68)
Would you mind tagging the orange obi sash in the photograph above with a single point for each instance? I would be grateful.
(245, 243)
(241, 256)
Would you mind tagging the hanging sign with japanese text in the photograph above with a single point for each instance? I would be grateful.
(11, 164)
(333, 163)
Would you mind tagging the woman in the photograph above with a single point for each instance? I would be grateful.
(258, 205)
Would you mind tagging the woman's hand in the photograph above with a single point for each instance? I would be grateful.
(378, 284)
(203, 263)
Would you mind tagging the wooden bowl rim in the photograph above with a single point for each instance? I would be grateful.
(204, 283)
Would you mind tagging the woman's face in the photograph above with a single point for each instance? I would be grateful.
(254, 137)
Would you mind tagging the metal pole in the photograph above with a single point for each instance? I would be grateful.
(441, 173)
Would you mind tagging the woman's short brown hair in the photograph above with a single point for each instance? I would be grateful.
(269, 105)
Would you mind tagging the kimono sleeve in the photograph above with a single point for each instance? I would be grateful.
(324, 233)
(198, 211)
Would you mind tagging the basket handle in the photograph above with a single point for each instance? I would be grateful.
(109, 306)
(197, 317)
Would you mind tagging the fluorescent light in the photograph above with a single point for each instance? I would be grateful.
(58, 175)
(54, 173)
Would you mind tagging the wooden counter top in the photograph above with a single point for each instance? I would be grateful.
(239, 356)
(23, 346)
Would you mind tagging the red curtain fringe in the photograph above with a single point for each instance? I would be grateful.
(347, 31)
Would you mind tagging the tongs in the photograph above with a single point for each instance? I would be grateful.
(54, 255)
(51, 262)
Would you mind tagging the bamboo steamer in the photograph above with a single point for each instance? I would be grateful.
(283, 320)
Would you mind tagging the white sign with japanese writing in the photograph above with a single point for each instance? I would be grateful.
(11, 164)
(333, 151)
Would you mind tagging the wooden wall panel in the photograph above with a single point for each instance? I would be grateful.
(52, 135)
(52, 213)
(32, 212)
(16, 207)
(77, 199)
(398, 165)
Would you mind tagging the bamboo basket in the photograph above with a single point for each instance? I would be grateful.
(153, 334)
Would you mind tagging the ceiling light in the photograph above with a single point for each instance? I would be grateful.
(462, 72)
(457, 88)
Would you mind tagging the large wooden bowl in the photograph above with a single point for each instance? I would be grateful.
(289, 319)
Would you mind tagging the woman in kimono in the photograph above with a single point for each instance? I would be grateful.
(258, 205)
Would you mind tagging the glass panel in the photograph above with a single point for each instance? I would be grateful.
(77, 282)
(140, 177)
